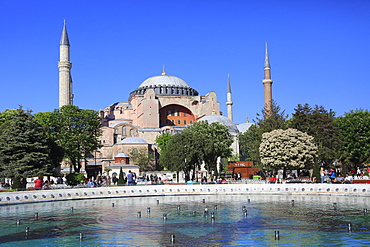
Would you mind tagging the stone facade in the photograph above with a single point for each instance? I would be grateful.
(160, 104)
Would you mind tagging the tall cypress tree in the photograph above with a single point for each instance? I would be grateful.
(121, 180)
(23, 148)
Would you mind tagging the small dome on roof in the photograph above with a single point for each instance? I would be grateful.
(122, 155)
(133, 140)
(222, 120)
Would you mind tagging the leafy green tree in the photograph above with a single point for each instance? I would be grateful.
(319, 123)
(143, 158)
(217, 140)
(56, 152)
(163, 140)
(23, 148)
(198, 143)
(355, 134)
(174, 156)
(249, 143)
(250, 140)
(288, 149)
(75, 130)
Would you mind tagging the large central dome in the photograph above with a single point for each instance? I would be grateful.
(164, 80)
(165, 85)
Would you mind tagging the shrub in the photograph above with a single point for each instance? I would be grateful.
(75, 178)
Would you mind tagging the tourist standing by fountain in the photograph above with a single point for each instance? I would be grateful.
(322, 175)
(130, 178)
(38, 183)
(333, 175)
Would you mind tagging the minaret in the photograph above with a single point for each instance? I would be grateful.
(229, 101)
(267, 85)
(65, 79)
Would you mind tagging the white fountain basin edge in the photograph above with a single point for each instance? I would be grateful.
(7, 198)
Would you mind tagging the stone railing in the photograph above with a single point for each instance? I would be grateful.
(178, 190)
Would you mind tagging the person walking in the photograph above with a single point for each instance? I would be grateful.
(130, 178)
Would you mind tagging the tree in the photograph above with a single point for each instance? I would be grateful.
(121, 180)
(142, 157)
(249, 143)
(217, 140)
(250, 140)
(276, 120)
(198, 143)
(23, 148)
(355, 134)
(183, 153)
(163, 140)
(288, 149)
(56, 152)
(76, 130)
(319, 123)
(7, 116)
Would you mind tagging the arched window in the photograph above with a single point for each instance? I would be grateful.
(132, 132)
(124, 130)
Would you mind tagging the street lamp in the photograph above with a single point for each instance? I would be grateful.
(185, 149)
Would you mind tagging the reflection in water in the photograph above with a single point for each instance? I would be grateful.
(308, 221)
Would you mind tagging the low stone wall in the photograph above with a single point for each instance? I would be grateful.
(7, 198)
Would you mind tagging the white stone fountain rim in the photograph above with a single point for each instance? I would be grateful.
(8, 198)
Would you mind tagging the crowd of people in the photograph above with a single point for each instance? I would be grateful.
(336, 176)
(41, 184)
(100, 181)
(329, 175)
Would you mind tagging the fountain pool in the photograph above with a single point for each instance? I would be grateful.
(307, 221)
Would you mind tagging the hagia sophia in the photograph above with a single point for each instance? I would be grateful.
(162, 103)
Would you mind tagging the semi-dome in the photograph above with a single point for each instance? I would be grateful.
(244, 127)
(164, 80)
(133, 140)
(222, 120)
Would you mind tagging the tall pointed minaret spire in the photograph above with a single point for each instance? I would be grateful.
(267, 85)
(64, 65)
(229, 102)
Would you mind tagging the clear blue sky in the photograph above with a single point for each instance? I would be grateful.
(319, 51)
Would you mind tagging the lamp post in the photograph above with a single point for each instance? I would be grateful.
(185, 149)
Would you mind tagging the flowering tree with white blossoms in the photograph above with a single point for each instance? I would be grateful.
(287, 149)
